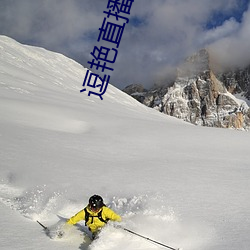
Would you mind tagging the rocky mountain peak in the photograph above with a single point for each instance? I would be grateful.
(196, 64)
(202, 97)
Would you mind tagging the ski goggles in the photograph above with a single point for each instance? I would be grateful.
(94, 208)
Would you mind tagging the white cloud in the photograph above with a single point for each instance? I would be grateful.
(170, 31)
(228, 28)
(233, 50)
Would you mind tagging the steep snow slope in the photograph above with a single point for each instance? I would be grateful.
(182, 185)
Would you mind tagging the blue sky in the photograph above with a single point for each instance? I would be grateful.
(160, 34)
(218, 17)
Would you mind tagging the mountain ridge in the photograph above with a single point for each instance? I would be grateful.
(201, 95)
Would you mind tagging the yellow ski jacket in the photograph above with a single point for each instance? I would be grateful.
(94, 223)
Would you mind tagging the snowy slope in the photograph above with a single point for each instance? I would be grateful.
(179, 184)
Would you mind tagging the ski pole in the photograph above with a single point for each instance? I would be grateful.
(146, 238)
(45, 228)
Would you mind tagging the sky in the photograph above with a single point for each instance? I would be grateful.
(159, 34)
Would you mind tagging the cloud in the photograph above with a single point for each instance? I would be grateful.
(228, 28)
(160, 34)
(233, 49)
(174, 30)
(52, 23)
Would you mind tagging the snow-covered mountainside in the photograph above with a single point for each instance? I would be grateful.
(182, 185)
(201, 97)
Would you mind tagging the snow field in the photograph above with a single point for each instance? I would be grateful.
(181, 185)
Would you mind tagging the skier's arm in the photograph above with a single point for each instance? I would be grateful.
(77, 217)
(110, 214)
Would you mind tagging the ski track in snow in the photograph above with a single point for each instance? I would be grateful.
(145, 214)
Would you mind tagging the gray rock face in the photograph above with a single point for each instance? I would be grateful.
(237, 81)
(200, 97)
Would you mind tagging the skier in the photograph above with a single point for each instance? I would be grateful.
(95, 214)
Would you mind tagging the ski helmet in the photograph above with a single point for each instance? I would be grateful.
(95, 202)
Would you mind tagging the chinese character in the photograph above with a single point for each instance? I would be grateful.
(116, 15)
(99, 65)
(115, 6)
(111, 32)
(92, 84)
(123, 7)
(126, 6)
(103, 54)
